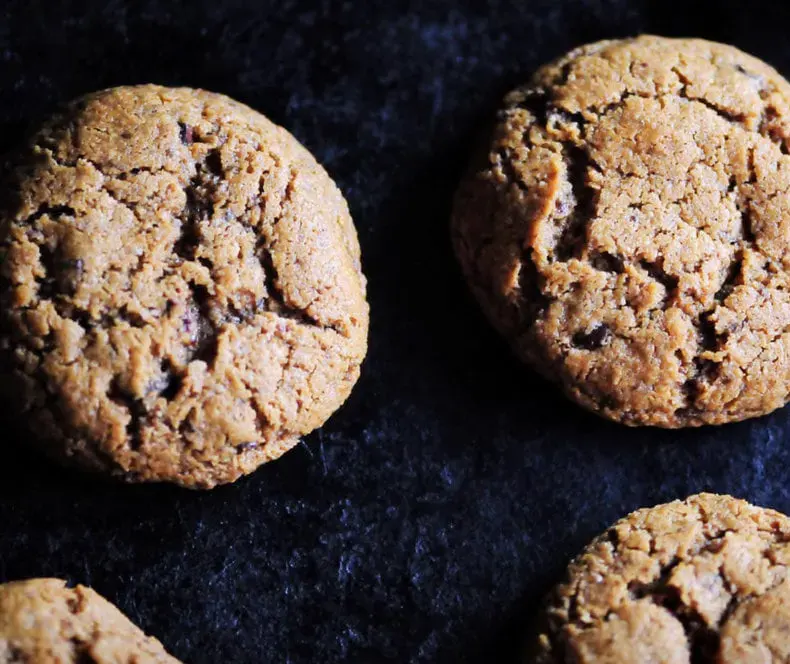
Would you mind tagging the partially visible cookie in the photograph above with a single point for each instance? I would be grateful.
(692, 582)
(627, 228)
(182, 290)
(44, 622)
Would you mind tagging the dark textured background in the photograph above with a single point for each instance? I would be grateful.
(424, 522)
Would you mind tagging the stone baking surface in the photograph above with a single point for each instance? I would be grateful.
(429, 516)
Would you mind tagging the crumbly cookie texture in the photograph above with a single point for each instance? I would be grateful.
(627, 228)
(44, 622)
(703, 580)
(183, 295)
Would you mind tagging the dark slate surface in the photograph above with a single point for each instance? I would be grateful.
(428, 517)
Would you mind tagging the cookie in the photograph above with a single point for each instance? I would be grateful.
(182, 297)
(703, 580)
(44, 622)
(627, 229)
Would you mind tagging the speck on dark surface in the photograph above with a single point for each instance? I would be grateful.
(424, 522)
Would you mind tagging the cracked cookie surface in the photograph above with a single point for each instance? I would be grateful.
(703, 580)
(44, 622)
(627, 228)
(183, 296)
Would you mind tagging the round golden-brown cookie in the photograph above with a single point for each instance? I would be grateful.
(703, 580)
(44, 622)
(627, 228)
(183, 295)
